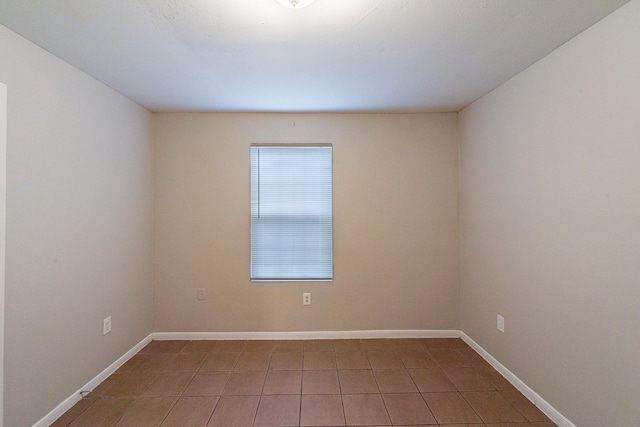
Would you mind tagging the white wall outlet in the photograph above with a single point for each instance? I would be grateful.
(306, 298)
(501, 323)
(201, 294)
(106, 326)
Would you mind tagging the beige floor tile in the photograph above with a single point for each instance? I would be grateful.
(502, 425)
(320, 382)
(365, 409)
(384, 360)
(319, 360)
(321, 410)
(430, 343)
(207, 384)
(288, 361)
(105, 385)
(245, 383)
(73, 413)
(229, 346)
(467, 378)
(457, 343)
(199, 346)
(495, 378)
(347, 345)
(186, 362)
(253, 361)
(475, 425)
(105, 412)
(492, 407)
(306, 382)
(474, 358)
(278, 410)
(289, 346)
(317, 345)
(431, 380)
(261, 346)
(352, 360)
(169, 346)
(377, 344)
(220, 361)
(154, 362)
(450, 408)
(191, 411)
(417, 359)
(237, 411)
(131, 384)
(394, 381)
(283, 382)
(408, 409)
(168, 384)
(408, 344)
(130, 364)
(147, 412)
(448, 357)
(358, 381)
(530, 411)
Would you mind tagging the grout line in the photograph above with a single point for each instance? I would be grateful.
(396, 350)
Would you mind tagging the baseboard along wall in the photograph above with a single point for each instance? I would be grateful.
(534, 397)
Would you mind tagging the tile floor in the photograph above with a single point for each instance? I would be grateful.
(369, 382)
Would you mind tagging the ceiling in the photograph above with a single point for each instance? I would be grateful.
(334, 55)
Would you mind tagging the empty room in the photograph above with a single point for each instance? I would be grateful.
(320, 213)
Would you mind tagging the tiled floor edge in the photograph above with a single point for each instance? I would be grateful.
(301, 335)
(68, 403)
(534, 397)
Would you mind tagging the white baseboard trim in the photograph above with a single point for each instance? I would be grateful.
(534, 397)
(305, 335)
(542, 404)
(68, 403)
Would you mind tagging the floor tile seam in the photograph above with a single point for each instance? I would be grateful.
(123, 412)
(476, 370)
(368, 394)
(461, 395)
(223, 393)
(299, 407)
(406, 371)
(428, 407)
(389, 414)
(168, 412)
(213, 410)
(193, 378)
(81, 412)
(478, 413)
(521, 412)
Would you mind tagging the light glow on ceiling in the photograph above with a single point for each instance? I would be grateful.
(295, 4)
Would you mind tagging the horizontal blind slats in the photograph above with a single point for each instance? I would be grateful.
(291, 213)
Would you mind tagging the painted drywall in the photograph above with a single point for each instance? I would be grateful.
(3, 217)
(395, 224)
(550, 229)
(78, 232)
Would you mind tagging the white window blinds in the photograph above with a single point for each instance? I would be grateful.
(291, 213)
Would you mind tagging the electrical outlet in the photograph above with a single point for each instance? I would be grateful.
(201, 294)
(306, 298)
(106, 326)
(501, 323)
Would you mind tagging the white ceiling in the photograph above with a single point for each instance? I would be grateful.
(334, 55)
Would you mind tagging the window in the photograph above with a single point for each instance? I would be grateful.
(291, 213)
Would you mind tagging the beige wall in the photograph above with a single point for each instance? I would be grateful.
(78, 241)
(550, 223)
(395, 224)
(3, 222)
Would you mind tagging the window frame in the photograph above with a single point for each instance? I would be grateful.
(290, 279)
